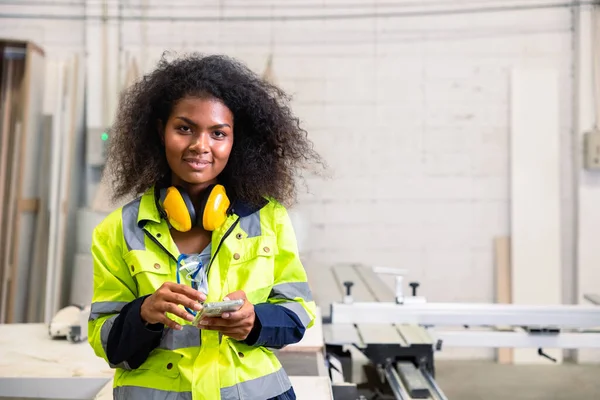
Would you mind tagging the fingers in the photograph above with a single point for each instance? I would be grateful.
(242, 318)
(217, 323)
(238, 294)
(169, 322)
(176, 310)
(185, 290)
(185, 301)
(238, 315)
(244, 312)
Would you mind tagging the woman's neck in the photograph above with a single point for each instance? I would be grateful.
(193, 190)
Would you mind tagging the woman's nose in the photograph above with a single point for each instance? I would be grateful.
(202, 143)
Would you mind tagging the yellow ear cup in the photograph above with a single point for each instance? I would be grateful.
(215, 209)
(177, 211)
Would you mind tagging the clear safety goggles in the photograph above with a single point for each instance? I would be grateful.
(192, 268)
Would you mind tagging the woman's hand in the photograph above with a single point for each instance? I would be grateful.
(238, 324)
(166, 299)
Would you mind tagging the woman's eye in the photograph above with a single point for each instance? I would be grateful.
(184, 128)
(219, 134)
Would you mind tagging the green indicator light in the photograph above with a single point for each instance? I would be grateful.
(104, 136)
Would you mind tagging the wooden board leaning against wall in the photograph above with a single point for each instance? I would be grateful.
(21, 149)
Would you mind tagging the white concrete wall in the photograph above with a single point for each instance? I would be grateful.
(411, 113)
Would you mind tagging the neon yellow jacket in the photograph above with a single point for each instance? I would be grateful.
(134, 254)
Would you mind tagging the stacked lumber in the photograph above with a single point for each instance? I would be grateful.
(23, 163)
(40, 107)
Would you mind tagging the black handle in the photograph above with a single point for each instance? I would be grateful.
(348, 285)
(414, 286)
(541, 353)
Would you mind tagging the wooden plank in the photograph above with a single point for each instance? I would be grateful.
(535, 195)
(71, 126)
(592, 298)
(414, 334)
(379, 334)
(29, 148)
(324, 287)
(341, 334)
(19, 149)
(7, 94)
(56, 71)
(312, 387)
(359, 291)
(8, 244)
(379, 290)
(503, 287)
(28, 205)
(37, 276)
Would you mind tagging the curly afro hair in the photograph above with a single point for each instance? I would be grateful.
(269, 146)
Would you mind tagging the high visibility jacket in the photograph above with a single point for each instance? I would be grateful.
(256, 252)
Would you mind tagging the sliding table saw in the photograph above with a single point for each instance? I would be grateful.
(400, 334)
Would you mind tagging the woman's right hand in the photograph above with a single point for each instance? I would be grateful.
(167, 299)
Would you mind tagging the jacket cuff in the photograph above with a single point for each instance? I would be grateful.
(274, 326)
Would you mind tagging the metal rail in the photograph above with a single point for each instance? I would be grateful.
(401, 392)
(461, 314)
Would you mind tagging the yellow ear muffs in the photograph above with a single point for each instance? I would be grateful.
(214, 207)
(179, 210)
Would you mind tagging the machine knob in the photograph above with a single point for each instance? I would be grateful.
(348, 285)
(414, 286)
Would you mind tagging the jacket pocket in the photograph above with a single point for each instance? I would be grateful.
(252, 267)
(162, 362)
(148, 270)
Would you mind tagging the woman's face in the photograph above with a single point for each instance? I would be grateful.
(198, 138)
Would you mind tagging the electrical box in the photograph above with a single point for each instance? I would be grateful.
(591, 149)
(96, 143)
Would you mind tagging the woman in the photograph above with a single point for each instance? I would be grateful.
(212, 152)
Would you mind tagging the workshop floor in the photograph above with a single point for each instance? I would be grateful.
(480, 380)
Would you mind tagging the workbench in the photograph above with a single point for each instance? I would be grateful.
(32, 365)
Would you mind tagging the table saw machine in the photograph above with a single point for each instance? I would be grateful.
(400, 334)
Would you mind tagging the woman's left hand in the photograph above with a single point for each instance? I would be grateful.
(237, 324)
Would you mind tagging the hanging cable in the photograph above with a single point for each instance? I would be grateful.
(345, 16)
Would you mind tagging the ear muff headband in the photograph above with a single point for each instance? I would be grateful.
(181, 213)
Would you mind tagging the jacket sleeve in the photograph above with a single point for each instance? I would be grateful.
(116, 330)
(290, 308)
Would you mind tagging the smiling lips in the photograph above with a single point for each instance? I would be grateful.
(197, 164)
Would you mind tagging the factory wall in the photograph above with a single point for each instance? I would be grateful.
(411, 113)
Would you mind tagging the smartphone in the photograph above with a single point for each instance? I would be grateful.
(217, 309)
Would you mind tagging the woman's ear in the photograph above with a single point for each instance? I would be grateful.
(161, 131)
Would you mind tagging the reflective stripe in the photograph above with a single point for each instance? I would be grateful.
(142, 393)
(189, 336)
(104, 332)
(261, 388)
(251, 224)
(102, 308)
(134, 235)
(291, 291)
(298, 310)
